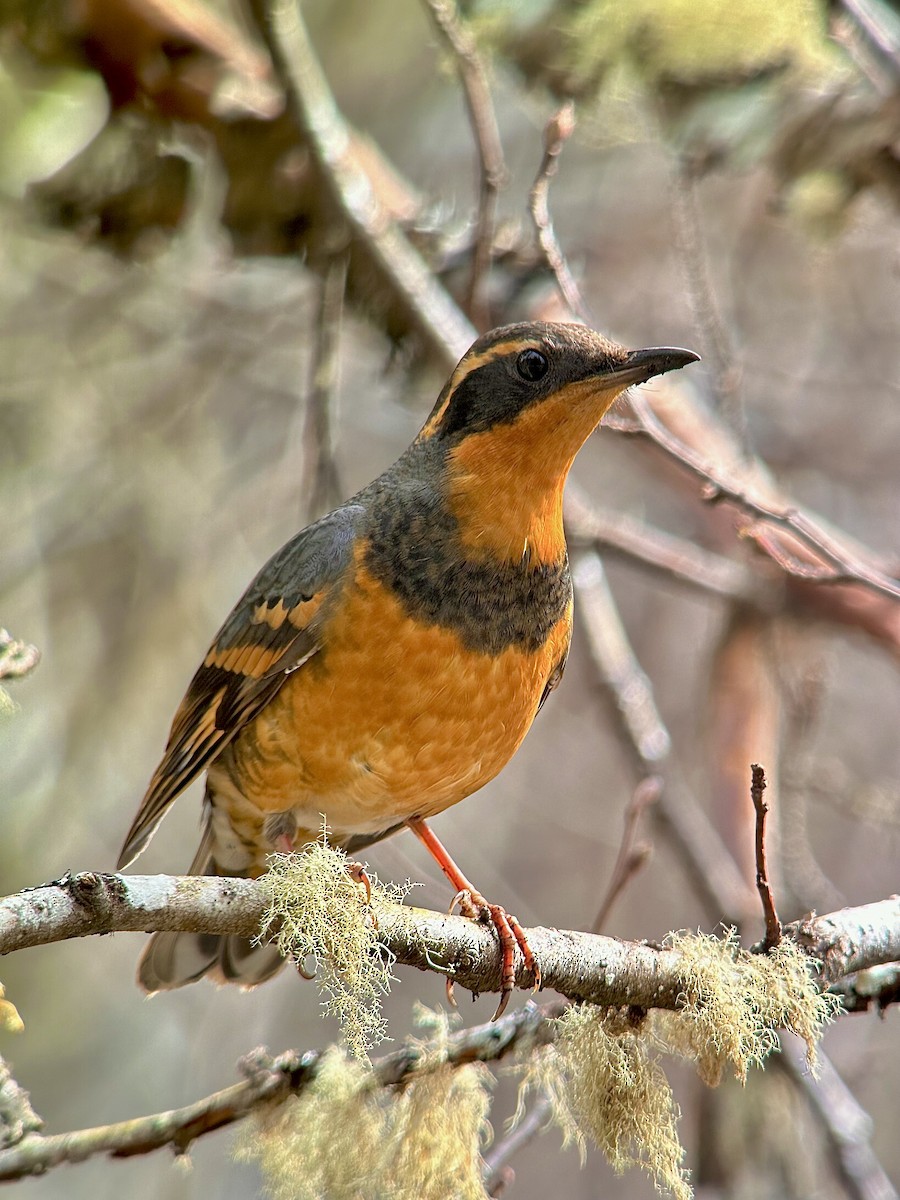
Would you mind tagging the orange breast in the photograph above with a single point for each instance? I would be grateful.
(391, 719)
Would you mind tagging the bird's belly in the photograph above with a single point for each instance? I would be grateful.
(393, 719)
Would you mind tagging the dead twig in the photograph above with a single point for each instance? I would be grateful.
(773, 925)
(715, 338)
(322, 485)
(557, 132)
(498, 1173)
(709, 866)
(267, 1081)
(847, 1126)
(633, 855)
(492, 168)
(667, 555)
(426, 305)
(877, 988)
(836, 563)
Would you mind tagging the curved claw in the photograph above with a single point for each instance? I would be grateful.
(358, 873)
(510, 934)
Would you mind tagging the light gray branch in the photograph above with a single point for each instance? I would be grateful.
(580, 966)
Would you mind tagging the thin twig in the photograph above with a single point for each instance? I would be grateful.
(773, 925)
(633, 855)
(847, 1126)
(322, 484)
(557, 132)
(840, 564)
(709, 866)
(492, 173)
(426, 305)
(669, 556)
(876, 988)
(497, 1170)
(713, 332)
(873, 42)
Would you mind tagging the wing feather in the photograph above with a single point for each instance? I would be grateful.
(271, 631)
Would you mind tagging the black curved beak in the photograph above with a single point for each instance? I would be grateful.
(642, 365)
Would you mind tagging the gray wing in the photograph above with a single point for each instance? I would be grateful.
(272, 630)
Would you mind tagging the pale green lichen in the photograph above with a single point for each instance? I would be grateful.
(602, 1076)
(733, 1003)
(345, 1138)
(694, 40)
(322, 913)
(9, 1014)
(605, 1085)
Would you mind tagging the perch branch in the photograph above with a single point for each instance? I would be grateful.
(580, 966)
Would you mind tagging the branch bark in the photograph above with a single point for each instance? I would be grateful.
(580, 966)
(267, 1080)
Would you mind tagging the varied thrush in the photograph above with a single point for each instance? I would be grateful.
(388, 661)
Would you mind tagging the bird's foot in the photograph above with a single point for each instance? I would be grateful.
(509, 933)
(472, 904)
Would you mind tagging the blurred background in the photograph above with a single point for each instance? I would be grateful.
(167, 243)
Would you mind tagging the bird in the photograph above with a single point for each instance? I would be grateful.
(388, 661)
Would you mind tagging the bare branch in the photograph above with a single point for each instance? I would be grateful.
(632, 854)
(714, 335)
(832, 561)
(427, 307)
(321, 483)
(558, 130)
(876, 988)
(483, 121)
(847, 1126)
(498, 1174)
(710, 867)
(773, 925)
(672, 557)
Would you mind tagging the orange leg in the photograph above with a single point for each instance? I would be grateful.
(472, 904)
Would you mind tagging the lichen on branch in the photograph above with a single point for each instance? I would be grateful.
(321, 912)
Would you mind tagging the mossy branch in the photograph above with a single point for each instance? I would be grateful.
(267, 1081)
(580, 966)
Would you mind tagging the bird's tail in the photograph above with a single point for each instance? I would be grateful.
(170, 960)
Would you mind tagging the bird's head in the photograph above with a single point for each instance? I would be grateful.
(549, 375)
(514, 414)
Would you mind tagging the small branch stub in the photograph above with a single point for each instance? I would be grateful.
(773, 925)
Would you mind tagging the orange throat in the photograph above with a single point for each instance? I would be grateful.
(505, 486)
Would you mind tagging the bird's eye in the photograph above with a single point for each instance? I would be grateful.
(532, 365)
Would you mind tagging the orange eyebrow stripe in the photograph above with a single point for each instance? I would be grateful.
(463, 370)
